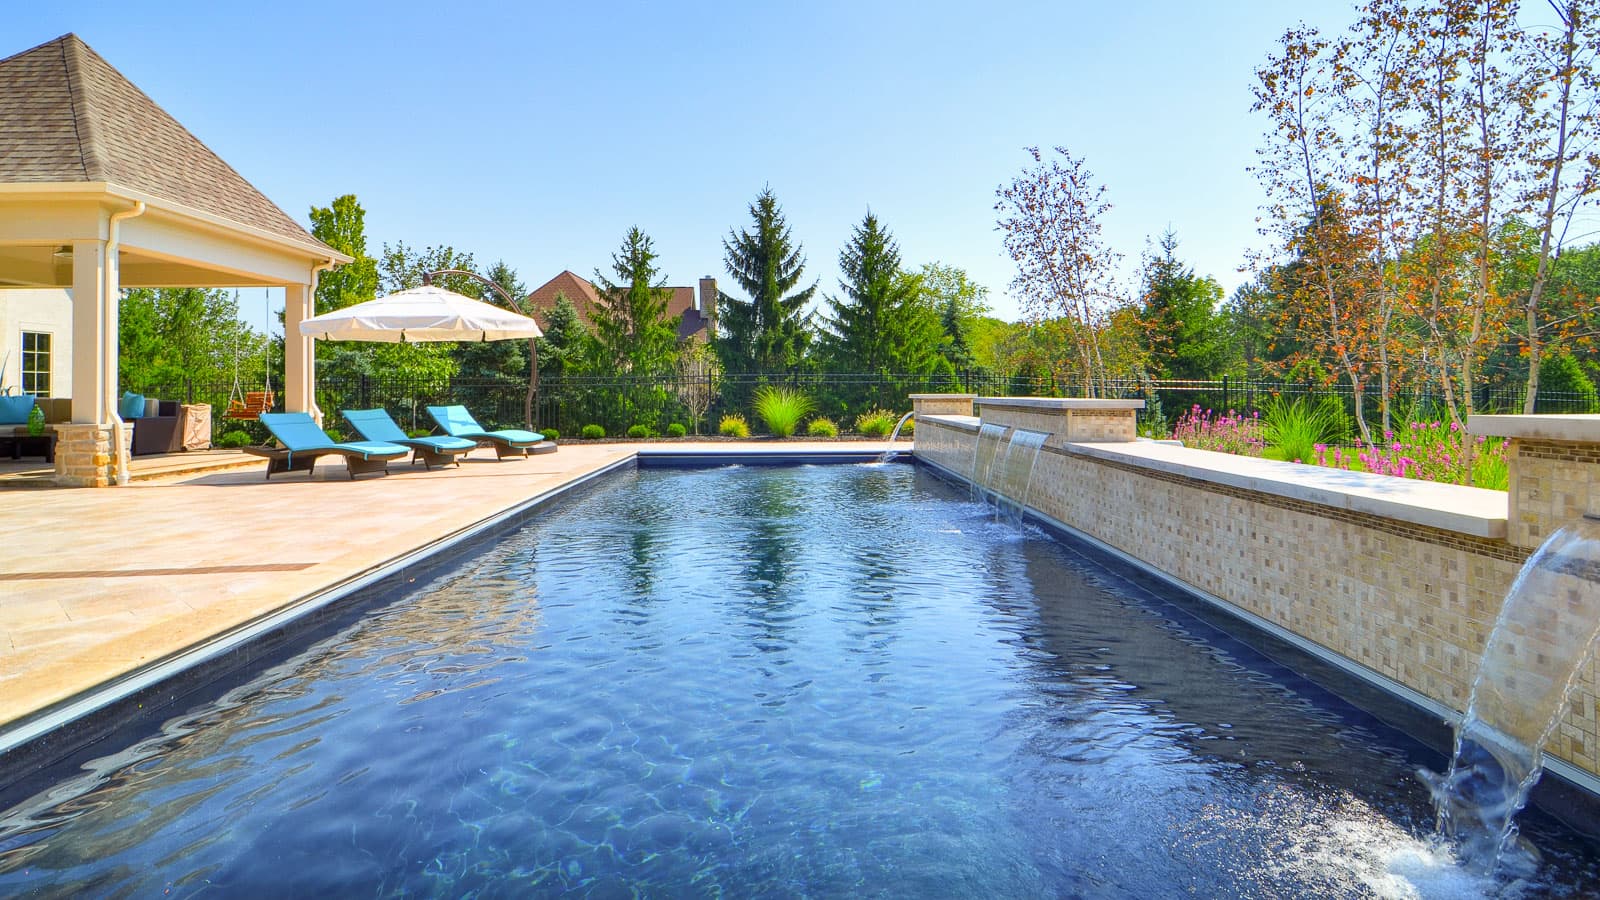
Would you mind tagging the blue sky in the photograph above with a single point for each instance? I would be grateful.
(538, 133)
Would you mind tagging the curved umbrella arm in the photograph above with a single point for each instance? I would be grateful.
(533, 343)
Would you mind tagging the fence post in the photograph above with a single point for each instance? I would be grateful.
(1225, 405)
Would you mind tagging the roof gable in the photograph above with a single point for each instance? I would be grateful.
(67, 115)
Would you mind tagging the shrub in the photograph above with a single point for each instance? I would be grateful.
(676, 429)
(875, 423)
(234, 438)
(550, 434)
(1232, 433)
(1434, 451)
(335, 434)
(419, 432)
(822, 428)
(909, 428)
(782, 408)
(734, 425)
(1294, 430)
(593, 432)
(641, 431)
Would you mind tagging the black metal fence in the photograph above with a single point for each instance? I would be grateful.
(699, 402)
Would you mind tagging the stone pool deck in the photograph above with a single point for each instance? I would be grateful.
(95, 584)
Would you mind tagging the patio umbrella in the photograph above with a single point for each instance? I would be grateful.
(427, 313)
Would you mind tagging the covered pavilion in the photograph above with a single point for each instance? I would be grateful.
(100, 190)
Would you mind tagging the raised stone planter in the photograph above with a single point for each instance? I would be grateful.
(942, 404)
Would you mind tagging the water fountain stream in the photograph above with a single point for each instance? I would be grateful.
(984, 454)
(1016, 474)
(891, 452)
(1543, 636)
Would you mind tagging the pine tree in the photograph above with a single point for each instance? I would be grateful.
(566, 340)
(631, 327)
(1180, 317)
(871, 320)
(770, 331)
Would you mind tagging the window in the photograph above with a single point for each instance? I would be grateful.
(36, 363)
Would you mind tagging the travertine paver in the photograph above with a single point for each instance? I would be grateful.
(97, 582)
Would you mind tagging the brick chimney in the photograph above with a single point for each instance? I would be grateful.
(708, 305)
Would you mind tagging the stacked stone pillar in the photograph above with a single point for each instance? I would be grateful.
(84, 456)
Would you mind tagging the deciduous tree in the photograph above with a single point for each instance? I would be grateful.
(1050, 215)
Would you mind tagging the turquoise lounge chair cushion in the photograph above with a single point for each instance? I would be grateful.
(457, 422)
(14, 409)
(376, 425)
(298, 432)
(132, 406)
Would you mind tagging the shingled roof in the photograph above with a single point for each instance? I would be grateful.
(67, 116)
(585, 297)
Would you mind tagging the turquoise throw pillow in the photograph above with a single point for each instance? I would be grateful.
(14, 409)
(132, 406)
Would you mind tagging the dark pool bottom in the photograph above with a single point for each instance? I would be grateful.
(827, 681)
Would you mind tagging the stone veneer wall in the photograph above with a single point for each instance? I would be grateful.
(1551, 481)
(1411, 603)
(83, 454)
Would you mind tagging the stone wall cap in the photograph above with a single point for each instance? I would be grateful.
(963, 423)
(1048, 403)
(943, 396)
(1583, 429)
(1466, 510)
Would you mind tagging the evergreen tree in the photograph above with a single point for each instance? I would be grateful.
(565, 345)
(875, 324)
(769, 332)
(632, 330)
(1180, 313)
(956, 347)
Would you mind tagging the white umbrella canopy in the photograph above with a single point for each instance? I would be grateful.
(426, 313)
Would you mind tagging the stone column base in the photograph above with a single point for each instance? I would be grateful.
(942, 404)
(84, 457)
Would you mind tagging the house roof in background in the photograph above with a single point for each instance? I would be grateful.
(585, 296)
(66, 115)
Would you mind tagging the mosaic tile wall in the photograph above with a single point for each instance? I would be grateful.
(1412, 603)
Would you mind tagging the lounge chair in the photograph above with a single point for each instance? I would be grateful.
(457, 422)
(304, 443)
(376, 425)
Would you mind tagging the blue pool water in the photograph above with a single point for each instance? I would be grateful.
(823, 681)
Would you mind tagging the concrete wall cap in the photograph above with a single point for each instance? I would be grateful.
(1451, 507)
(1582, 429)
(1061, 403)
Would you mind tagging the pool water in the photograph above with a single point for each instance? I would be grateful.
(822, 681)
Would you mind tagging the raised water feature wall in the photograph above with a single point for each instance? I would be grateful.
(1399, 580)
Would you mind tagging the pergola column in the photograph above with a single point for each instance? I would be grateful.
(94, 342)
(299, 357)
(85, 455)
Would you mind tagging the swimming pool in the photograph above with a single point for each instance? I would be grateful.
(822, 680)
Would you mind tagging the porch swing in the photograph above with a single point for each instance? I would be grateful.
(247, 406)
